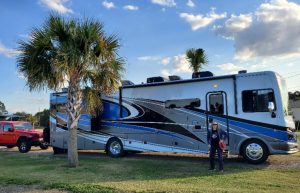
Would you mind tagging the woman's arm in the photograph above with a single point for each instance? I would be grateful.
(223, 135)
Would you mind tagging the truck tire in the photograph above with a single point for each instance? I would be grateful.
(10, 146)
(24, 146)
(255, 151)
(114, 148)
(44, 146)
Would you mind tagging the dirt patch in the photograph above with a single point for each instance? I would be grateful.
(26, 189)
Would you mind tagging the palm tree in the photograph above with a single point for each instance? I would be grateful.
(197, 59)
(76, 52)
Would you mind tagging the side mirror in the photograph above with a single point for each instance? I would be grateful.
(11, 129)
(271, 106)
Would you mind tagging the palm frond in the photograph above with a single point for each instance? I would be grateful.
(197, 58)
(69, 49)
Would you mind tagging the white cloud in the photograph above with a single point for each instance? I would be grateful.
(8, 52)
(149, 58)
(234, 25)
(57, 5)
(108, 5)
(167, 3)
(166, 61)
(180, 65)
(272, 30)
(131, 7)
(165, 72)
(290, 64)
(228, 67)
(20, 75)
(190, 3)
(200, 21)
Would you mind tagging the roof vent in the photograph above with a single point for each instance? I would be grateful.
(202, 74)
(126, 83)
(174, 77)
(64, 90)
(156, 79)
(242, 71)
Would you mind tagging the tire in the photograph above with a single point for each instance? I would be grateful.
(57, 150)
(44, 146)
(114, 148)
(24, 146)
(10, 146)
(255, 151)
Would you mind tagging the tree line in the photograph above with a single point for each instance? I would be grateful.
(39, 119)
(294, 95)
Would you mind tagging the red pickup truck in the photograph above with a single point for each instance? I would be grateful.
(21, 134)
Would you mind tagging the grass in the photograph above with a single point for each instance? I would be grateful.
(142, 174)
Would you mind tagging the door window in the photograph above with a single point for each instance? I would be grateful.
(7, 127)
(216, 103)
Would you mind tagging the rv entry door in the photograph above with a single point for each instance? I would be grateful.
(217, 110)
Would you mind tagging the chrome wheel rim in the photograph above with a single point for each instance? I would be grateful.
(23, 146)
(115, 148)
(254, 151)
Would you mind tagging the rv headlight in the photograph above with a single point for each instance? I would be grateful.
(289, 130)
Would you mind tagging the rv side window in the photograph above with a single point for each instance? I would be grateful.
(216, 103)
(257, 100)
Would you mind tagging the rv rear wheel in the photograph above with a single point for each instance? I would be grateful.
(114, 148)
(255, 151)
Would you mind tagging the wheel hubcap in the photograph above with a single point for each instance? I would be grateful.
(254, 151)
(115, 148)
(23, 146)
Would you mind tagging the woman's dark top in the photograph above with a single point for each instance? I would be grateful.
(215, 138)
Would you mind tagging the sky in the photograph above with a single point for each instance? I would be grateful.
(154, 35)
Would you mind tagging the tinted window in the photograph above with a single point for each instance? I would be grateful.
(7, 127)
(19, 126)
(257, 100)
(216, 104)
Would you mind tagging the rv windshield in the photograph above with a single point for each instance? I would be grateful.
(284, 95)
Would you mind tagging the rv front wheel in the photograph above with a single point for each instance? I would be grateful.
(255, 151)
(114, 148)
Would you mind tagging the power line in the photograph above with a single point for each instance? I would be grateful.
(292, 76)
(290, 73)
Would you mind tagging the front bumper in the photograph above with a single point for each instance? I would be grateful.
(37, 142)
(289, 147)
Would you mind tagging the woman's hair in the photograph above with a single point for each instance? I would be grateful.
(214, 123)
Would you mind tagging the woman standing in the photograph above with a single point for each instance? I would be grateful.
(215, 138)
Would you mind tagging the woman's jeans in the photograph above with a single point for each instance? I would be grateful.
(212, 154)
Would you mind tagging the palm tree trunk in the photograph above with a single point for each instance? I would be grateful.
(73, 108)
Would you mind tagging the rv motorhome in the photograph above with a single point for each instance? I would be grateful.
(174, 116)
